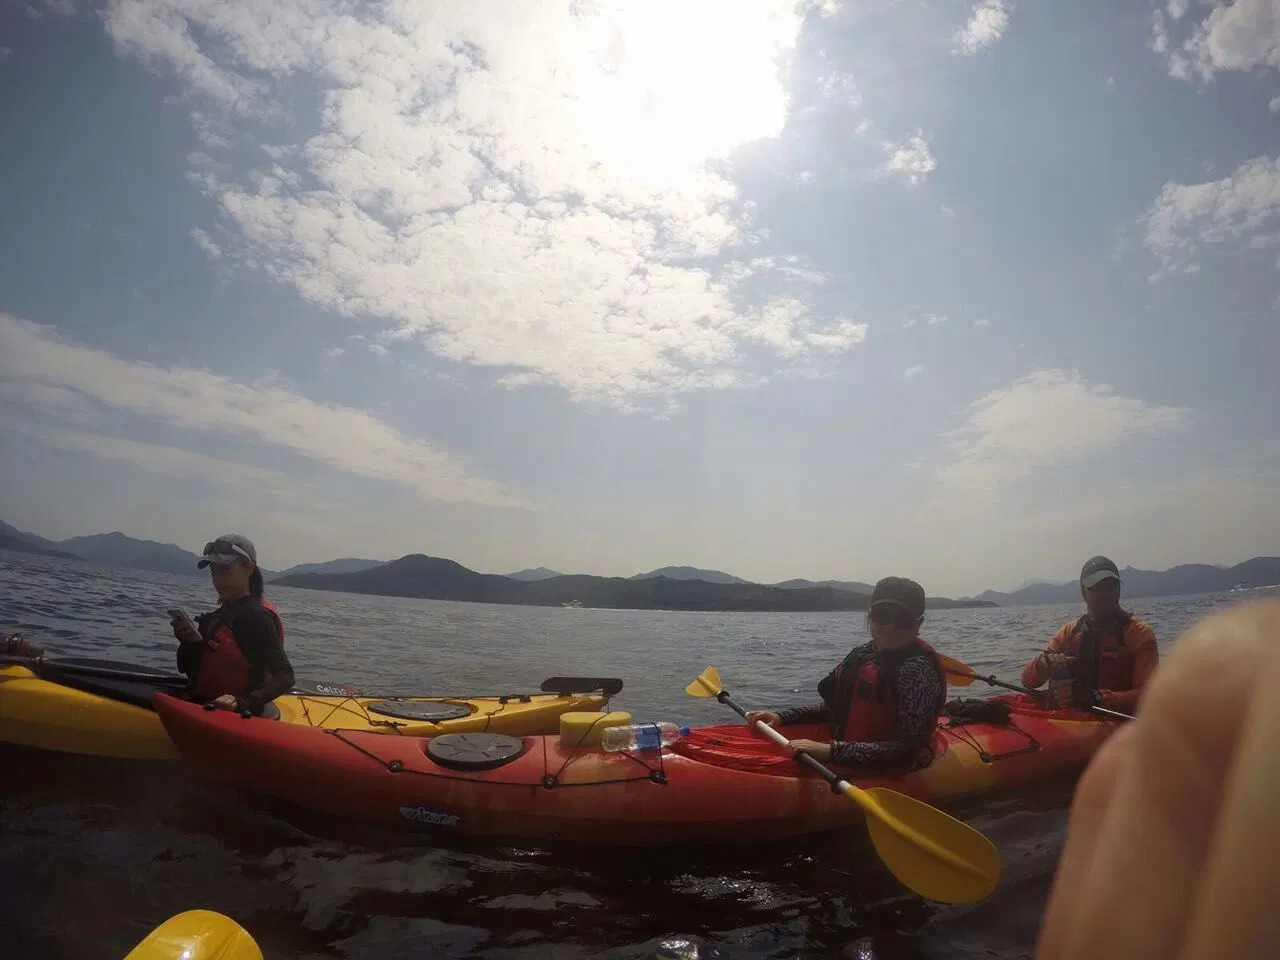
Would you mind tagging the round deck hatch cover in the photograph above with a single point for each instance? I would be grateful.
(474, 751)
(420, 710)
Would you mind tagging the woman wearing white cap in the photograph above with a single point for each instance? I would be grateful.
(235, 657)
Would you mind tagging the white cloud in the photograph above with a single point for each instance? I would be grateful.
(1243, 207)
(1274, 105)
(911, 159)
(1230, 35)
(42, 372)
(1048, 418)
(913, 371)
(982, 322)
(157, 458)
(205, 243)
(550, 209)
(840, 86)
(935, 319)
(334, 352)
(378, 350)
(987, 23)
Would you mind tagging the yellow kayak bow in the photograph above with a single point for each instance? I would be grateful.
(197, 935)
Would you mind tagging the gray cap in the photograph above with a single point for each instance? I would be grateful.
(228, 548)
(1097, 569)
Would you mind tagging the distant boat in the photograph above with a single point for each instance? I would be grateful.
(572, 604)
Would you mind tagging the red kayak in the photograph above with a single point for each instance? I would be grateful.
(721, 784)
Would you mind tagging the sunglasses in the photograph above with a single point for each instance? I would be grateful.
(890, 614)
(225, 546)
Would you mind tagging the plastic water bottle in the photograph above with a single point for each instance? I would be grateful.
(641, 736)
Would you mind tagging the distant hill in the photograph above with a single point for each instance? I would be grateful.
(1176, 581)
(690, 573)
(341, 565)
(534, 573)
(117, 550)
(436, 578)
(21, 544)
(855, 586)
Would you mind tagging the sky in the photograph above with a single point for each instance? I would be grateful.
(966, 292)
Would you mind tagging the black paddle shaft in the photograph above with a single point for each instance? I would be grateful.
(811, 762)
(1017, 689)
(53, 666)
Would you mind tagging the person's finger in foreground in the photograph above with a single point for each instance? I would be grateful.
(1170, 843)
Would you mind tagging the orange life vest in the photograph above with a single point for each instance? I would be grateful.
(872, 713)
(223, 667)
(1103, 660)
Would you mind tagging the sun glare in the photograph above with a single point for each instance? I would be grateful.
(665, 86)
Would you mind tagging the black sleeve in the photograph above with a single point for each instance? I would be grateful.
(259, 640)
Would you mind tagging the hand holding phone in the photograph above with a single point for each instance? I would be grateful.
(184, 628)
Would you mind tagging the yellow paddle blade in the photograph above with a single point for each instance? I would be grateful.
(707, 684)
(931, 853)
(197, 935)
(958, 674)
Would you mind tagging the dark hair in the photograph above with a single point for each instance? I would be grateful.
(256, 586)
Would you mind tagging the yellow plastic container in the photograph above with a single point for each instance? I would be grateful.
(583, 729)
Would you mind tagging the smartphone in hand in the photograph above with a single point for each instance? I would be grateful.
(179, 616)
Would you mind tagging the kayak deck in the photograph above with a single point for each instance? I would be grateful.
(112, 717)
(548, 790)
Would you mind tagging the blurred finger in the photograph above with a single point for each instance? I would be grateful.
(1088, 811)
(1236, 913)
(1155, 833)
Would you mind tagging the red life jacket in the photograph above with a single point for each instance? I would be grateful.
(223, 667)
(873, 705)
(1103, 660)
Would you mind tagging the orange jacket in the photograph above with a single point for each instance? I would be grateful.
(1137, 647)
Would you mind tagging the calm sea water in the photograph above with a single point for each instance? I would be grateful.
(94, 853)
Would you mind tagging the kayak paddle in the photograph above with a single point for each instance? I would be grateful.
(197, 935)
(961, 675)
(931, 853)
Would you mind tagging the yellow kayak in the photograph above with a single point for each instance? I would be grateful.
(197, 935)
(103, 708)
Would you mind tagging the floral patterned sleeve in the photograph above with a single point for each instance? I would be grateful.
(919, 688)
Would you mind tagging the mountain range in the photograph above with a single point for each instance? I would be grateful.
(435, 578)
(1177, 581)
(404, 577)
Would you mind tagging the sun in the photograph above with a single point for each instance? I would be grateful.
(663, 87)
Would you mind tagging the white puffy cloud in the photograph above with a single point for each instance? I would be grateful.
(1241, 208)
(911, 159)
(43, 373)
(527, 185)
(913, 371)
(1045, 419)
(987, 23)
(1223, 35)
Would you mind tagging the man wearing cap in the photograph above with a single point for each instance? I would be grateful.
(235, 657)
(1103, 659)
(883, 700)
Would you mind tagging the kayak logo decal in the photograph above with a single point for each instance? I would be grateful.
(431, 816)
(334, 690)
